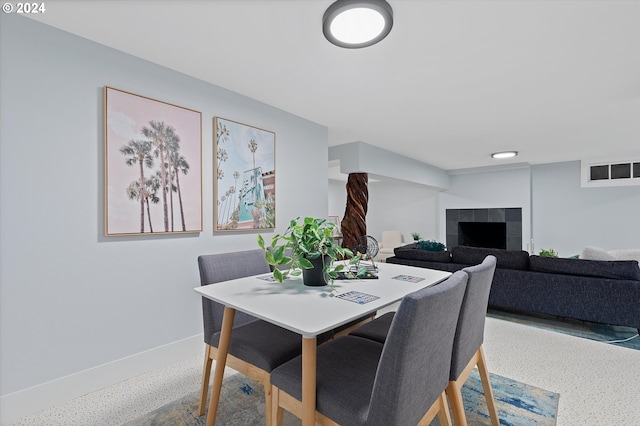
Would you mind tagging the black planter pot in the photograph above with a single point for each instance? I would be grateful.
(315, 276)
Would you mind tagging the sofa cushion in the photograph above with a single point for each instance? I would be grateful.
(411, 252)
(613, 269)
(507, 259)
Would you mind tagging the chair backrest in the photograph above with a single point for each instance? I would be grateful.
(215, 268)
(414, 365)
(470, 330)
(391, 239)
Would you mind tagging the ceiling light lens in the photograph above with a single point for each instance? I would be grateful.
(504, 154)
(357, 25)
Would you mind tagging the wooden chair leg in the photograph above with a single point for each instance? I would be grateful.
(277, 412)
(443, 414)
(268, 407)
(206, 374)
(486, 386)
(438, 408)
(454, 394)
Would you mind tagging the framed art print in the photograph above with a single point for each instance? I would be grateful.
(245, 177)
(153, 166)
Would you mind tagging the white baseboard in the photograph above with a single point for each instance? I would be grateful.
(29, 401)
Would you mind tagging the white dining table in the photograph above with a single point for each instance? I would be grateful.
(308, 311)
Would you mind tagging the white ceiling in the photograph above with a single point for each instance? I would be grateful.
(455, 80)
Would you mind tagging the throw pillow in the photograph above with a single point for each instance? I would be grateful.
(625, 254)
(595, 253)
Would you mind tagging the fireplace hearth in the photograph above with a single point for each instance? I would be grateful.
(490, 228)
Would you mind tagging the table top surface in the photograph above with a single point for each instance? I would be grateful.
(310, 311)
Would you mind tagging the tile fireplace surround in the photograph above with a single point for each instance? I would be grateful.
(512, 217)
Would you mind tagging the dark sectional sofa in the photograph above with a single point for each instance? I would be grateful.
(589, 290)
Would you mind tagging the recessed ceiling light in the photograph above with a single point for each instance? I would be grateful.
(504, 154)
(357, 23)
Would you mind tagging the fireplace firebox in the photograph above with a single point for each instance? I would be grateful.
(490, 228)
(483, 234)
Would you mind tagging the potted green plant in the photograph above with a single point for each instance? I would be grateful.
(548, 253)
(415, 236)
(306, 247)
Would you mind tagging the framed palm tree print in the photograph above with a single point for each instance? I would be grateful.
(153, 166)
(245, 177)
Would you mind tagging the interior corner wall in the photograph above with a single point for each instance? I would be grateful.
(568, 218)
(393, 205)
(337, 198)
(402, 206)
(70, 298)
(489, 189)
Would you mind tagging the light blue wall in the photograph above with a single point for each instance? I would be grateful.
(567, 217)
(557, 213)
(393, 206)
(378, 163)
(70, 298)
(489, 188)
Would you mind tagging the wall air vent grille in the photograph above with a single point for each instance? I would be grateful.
(610, 173)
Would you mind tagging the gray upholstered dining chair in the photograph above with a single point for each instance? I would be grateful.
(401, 382)
(467, 346)
(256, 346)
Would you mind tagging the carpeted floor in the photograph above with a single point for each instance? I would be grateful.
(612, 334)
(518, 403)
(242, 404)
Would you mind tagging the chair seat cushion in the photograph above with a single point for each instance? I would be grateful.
(345, 373)
(376, 330)
(263, 344)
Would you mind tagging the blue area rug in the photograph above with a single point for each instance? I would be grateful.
(611, 334)
(242, 404)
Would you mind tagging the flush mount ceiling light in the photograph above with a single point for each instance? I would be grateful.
(504, 154)
(357, 23)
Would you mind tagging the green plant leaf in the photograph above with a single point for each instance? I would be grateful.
(278, 254)
(304, 263)
(260, 242)
(277, 274)
(269, 258)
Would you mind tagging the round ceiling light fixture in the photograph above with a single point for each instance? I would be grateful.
(504, 154)
(357, 23)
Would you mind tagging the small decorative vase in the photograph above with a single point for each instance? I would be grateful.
(315, 276)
